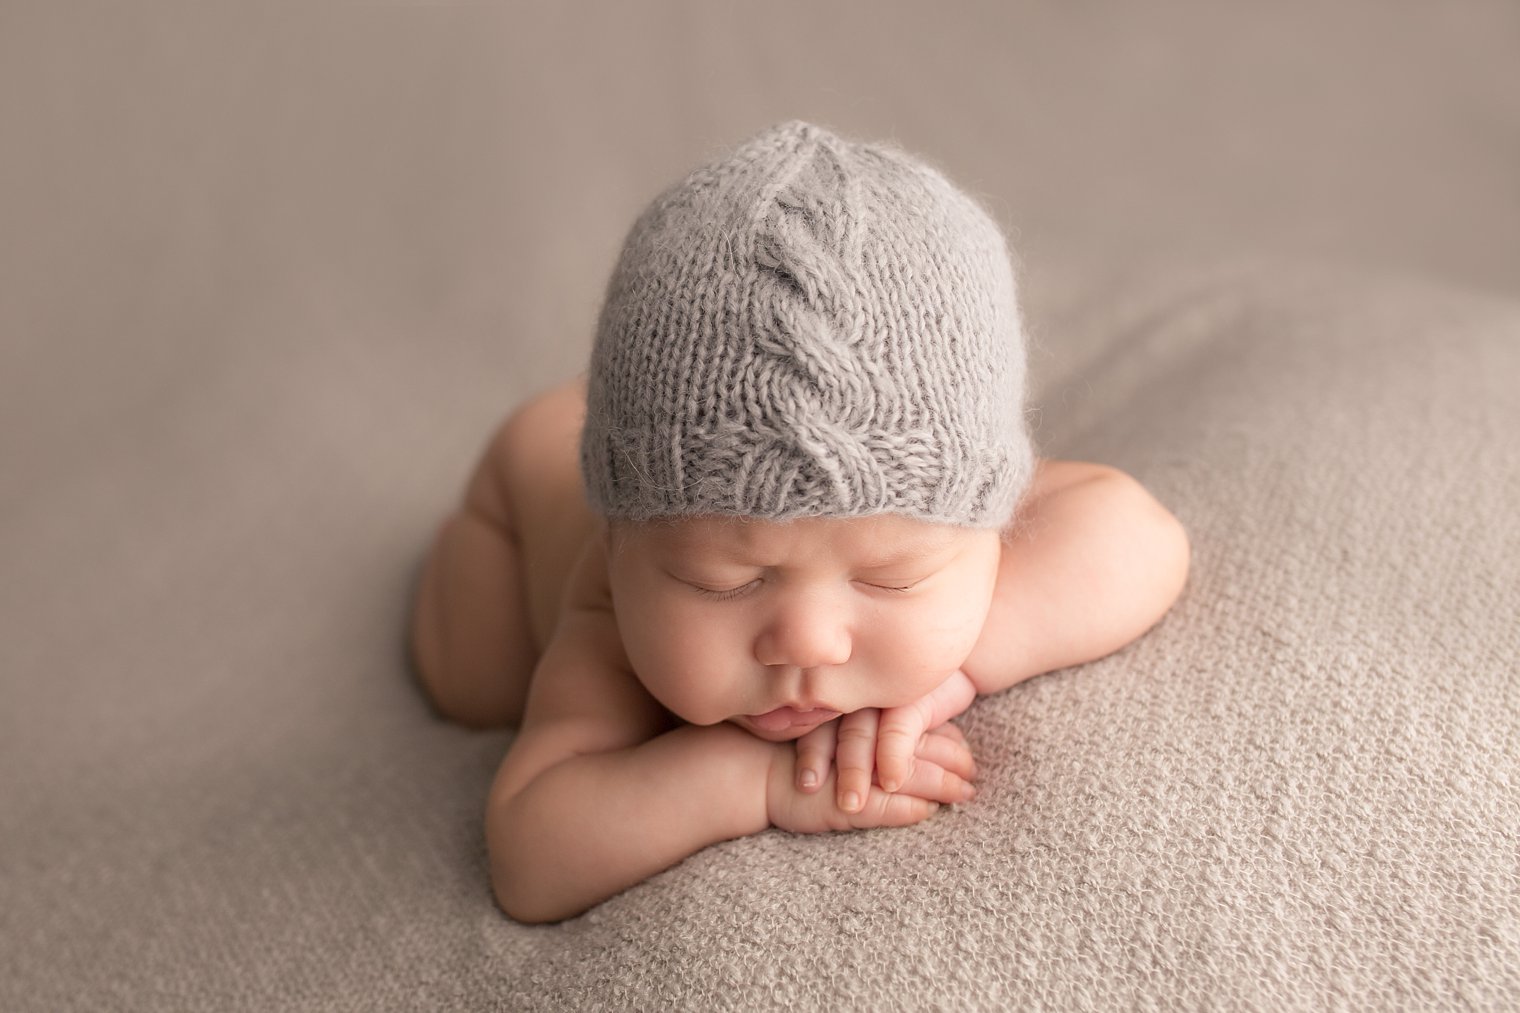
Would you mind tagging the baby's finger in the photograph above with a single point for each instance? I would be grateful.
(896, 741)
(950, 752)
(815, 751)
(934, 783)
(854, 756)
(952, 731)
(886, 810)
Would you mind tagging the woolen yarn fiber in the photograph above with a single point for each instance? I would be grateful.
(809, 327)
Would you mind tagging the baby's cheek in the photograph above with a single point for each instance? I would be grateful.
(909, 669)
(924, 653)
(960, 627)
(688, 685)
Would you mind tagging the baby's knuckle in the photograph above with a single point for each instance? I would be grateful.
(856, 734)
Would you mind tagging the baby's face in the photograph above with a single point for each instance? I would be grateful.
(779, 627)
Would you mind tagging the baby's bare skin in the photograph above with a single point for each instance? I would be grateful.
(490, 593)
(1088, 563)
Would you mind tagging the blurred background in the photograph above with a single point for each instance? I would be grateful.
(270, 273)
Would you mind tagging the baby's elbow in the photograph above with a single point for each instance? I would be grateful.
(518, 903)
(1148, 550)
(520, 894)
(1163, 551)
(526, 882)
(1177, 556)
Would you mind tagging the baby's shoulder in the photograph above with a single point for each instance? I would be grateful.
(1052, 476)
(584, 677)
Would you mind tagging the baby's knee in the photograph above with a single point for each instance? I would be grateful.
(472, 659)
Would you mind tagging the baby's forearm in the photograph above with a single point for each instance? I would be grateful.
(594, 825)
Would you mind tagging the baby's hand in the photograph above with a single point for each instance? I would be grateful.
(886, 740)
(942, 771)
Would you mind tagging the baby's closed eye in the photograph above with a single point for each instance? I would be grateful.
(890, 587)
(724, 594)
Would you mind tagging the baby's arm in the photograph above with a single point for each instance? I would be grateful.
(599, 792)
(1092, 562)
(576, 816)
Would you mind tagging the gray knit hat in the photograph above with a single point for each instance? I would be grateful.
(809, 327)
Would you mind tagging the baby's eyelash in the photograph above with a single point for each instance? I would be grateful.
(732, 592)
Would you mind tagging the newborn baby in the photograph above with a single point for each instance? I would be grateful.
(744, 572)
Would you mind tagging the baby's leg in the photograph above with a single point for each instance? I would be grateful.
(470, 635)
(488, 597)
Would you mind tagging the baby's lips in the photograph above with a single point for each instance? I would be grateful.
(783, 718)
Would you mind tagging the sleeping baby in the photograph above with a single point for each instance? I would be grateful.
(744, 572)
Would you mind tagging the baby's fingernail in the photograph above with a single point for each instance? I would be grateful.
(851, 801)
(968, 792)
(809, 778)
(890, 786)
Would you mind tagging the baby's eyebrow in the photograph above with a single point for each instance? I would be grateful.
(905, 556)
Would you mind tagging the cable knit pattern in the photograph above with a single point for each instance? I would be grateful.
(810, 327)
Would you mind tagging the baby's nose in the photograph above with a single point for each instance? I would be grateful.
(805, 637)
